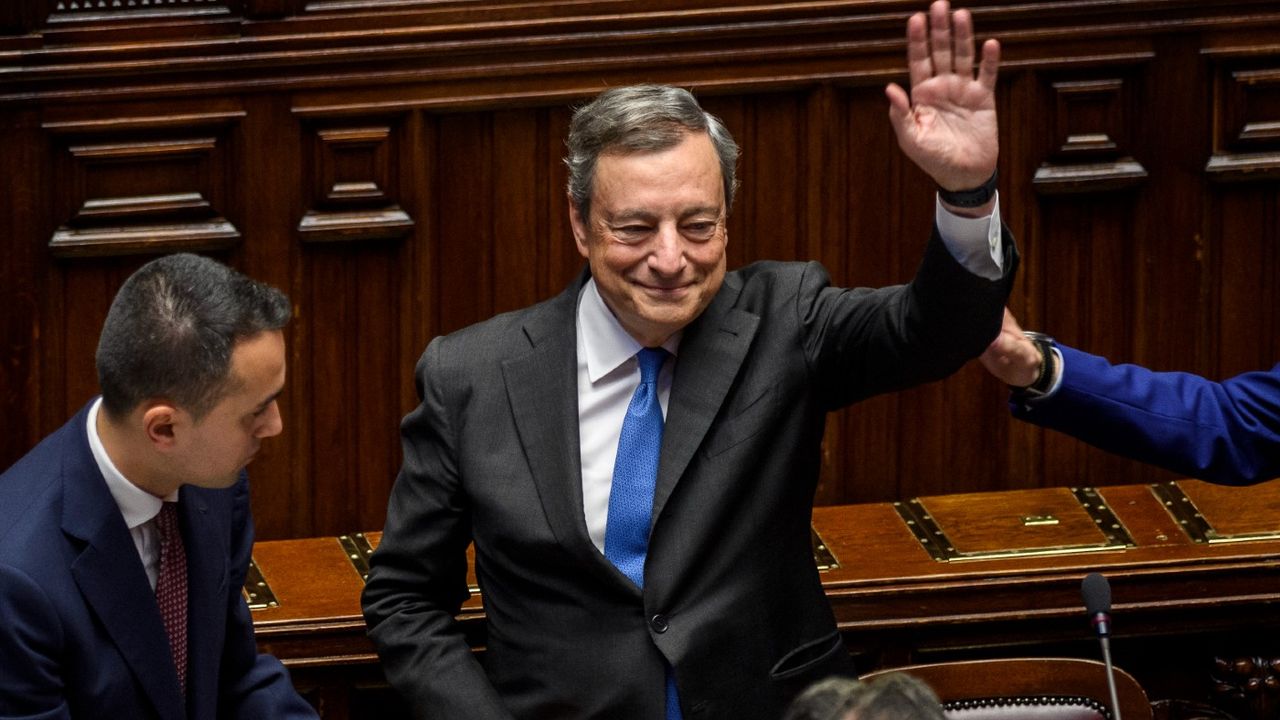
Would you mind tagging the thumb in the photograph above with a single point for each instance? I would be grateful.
(899, 107)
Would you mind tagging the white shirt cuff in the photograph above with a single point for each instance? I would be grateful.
(975, 243)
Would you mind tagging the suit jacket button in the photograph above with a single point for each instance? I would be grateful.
(658, 623)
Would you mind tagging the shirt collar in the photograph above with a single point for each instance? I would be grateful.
(606, 343)
(137, 505)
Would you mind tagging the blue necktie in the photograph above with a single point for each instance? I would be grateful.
(635, 474)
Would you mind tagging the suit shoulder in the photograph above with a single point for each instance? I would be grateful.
(777, 273)
(31, 489)
(505, 335)
(773, 281)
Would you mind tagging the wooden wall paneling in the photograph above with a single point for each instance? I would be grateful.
(269, 181)
(24, 379)
(1102, 292)
(419, 254)
(453, 119)
(374, 413)
(353, 198)
(463, 191)
(125, 180)
(269, 9)
(873, 243)
(152, 183)
(1243, 212)
(1016, 446)
(336, 329)
(515, 209)
(1169, 270)
(354, 320)
(922, 437)
(18, 18)
(772, 162)
(826, 235)
(124, 33)
(563, 260)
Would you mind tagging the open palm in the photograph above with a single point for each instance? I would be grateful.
(948, 124)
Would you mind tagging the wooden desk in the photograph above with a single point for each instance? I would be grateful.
(1195, 594)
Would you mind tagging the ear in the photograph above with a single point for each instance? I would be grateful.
(579, 225)
(160, 421)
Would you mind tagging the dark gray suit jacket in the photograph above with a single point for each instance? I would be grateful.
(731, 597)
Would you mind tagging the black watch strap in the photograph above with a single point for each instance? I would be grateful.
(977, 197)
(1048, 368)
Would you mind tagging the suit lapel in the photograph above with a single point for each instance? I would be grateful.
(543, 392)
(711, 352)
(114, 585)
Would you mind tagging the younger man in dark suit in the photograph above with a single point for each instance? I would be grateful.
(126, 534)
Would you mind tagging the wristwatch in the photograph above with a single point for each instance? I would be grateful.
(977, 197)
(1048, 368)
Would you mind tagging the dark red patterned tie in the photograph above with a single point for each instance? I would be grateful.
(171, 587)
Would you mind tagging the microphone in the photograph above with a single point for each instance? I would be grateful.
(1097, 602)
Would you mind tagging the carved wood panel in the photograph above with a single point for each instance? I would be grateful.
(396, 168)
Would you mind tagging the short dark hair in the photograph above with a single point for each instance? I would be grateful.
(894, 696)
(172, 328)
(641, 118)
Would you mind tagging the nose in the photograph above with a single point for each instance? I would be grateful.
(272, 422)
(667, 257)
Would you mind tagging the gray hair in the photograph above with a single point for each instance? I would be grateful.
(641, 118)
(172, 328)
(893, 696)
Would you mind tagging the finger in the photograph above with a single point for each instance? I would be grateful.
(990, 64)
(940, 36)
(962, 27)
(898, 99)
(919, 65)
(1009, 323)
(899, 108)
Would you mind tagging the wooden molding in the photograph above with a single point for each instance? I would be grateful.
(1088, 178)
(1243, 167)
(343, 43)
(215, 234)
(357, 226)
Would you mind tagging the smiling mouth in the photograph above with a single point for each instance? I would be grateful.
(665, 290)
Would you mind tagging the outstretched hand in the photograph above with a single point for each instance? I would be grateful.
(948, 124)
(1012, 357)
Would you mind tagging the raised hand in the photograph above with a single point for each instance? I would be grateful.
(948, 124)
(1012, 357)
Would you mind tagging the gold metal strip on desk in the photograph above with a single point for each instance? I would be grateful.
(1194, 523)
(935, 541)
(358, 550)
(257, 593)
(822, 555)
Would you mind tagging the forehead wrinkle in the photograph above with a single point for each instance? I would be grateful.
(642, 214)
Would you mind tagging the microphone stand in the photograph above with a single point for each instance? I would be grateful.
(1101, 622)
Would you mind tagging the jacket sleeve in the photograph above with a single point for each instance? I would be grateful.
(251, 685)
(31, 682)
(862, 342)
(1226, 432)
(417, 576)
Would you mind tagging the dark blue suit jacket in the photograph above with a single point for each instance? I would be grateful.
(81, 635)
(1227, 432)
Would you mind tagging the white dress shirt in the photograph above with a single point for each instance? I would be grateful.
(138, 506)
(608, 372)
